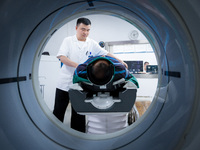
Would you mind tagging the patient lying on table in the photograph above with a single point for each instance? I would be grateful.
(105, 73)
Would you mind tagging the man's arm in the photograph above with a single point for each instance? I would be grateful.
(67, 61)
(121, 61)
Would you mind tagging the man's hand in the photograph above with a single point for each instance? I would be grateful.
(125, 64)
(111, 55)
(65, 60)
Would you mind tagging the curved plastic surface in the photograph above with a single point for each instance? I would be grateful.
(172, 122)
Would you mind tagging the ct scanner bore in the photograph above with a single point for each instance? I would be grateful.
(171, 122)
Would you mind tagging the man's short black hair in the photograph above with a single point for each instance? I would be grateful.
(85, 21)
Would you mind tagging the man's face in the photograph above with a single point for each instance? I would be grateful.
(82, 31)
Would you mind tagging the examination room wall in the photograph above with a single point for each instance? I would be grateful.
(104, 28)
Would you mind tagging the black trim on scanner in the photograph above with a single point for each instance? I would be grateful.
(14, 79)
(90, 3)
(173, 74)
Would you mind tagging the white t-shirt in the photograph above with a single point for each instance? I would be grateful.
(78, 52)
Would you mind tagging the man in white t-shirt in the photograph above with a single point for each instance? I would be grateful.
(75, 50)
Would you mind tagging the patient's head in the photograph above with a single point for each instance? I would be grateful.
(100, 69)
(100, 72)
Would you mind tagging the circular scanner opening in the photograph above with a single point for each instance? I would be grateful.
(173, 53)
(123, 39)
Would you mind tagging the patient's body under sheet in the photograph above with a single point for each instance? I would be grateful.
(106, 123)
